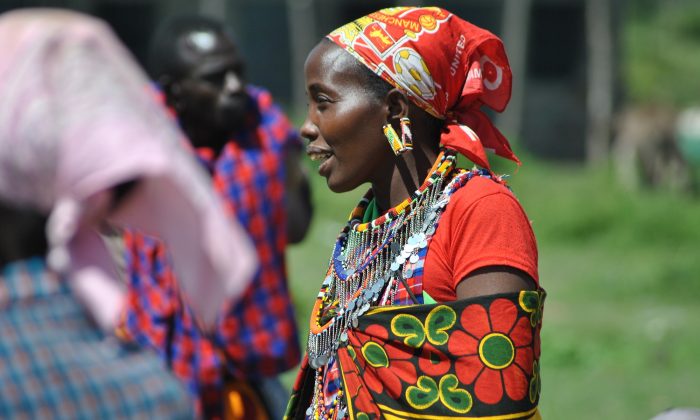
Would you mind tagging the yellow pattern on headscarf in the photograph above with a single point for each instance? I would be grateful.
(350, 31)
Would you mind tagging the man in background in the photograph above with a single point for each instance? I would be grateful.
(253, 155)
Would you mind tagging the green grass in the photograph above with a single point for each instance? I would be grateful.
(621, 336)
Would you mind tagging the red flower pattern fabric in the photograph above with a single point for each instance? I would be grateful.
(473, 358)
(500, 327)
(384, 364)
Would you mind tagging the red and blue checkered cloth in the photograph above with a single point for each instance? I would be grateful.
(56, 363)
(257, 336)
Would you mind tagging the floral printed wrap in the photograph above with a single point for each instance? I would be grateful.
(474, 358)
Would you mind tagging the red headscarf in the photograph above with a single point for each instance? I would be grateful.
(446, 65)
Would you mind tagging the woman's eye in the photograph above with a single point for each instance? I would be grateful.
(322, 102)
(322, 99)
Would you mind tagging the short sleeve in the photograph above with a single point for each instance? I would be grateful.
(483, 225)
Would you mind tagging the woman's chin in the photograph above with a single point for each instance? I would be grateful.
(340, 186)
(338, 189)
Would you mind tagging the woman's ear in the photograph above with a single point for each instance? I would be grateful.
(397, 104)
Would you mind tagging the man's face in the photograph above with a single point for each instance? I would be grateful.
(211, 93)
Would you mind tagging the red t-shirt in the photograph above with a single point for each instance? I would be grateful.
(483, 225)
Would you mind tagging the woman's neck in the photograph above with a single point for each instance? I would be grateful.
(407, 174)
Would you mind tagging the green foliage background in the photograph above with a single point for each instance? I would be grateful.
(661, 51)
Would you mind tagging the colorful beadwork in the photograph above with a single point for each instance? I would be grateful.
(406, 135)
(366, 260)
(393, 139)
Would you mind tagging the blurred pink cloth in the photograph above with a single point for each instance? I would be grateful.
(76, 118)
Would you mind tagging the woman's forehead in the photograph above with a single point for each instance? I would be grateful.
(330, 61)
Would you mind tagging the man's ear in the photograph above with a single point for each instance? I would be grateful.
(397, 104)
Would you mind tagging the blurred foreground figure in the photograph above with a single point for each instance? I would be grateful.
(431, 306)
(253, 155)
(83, 143)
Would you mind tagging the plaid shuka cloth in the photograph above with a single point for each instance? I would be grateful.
(55, 363)
(258, 335)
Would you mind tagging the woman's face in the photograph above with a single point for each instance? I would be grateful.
(344, 121)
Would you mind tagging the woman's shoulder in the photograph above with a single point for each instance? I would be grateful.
(477, 189)
(481, 204)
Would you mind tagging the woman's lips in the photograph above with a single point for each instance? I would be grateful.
(323, 155)
(318, 156)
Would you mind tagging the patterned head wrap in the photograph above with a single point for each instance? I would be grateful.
(77, 118)
(447, 66)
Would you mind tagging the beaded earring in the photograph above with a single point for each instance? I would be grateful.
(406, 135)
(393, 138)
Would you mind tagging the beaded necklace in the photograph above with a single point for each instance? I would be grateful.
(365, 260)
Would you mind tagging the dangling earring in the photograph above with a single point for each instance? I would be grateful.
(393, 138)
(406, 135)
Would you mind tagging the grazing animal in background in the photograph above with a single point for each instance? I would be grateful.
(646, 152)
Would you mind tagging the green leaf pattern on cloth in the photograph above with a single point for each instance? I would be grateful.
(410, 328)
(414, 332)
(439, 320)
(453, 397)
(535, 382)
(375, 355)
(532, 302)
(423, 394)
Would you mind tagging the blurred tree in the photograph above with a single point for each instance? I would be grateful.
(301, 15)
(661, 44)
(516, 26)
(601, 68)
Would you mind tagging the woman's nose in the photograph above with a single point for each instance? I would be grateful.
(309, 130)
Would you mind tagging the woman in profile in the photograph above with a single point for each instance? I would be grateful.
(82, 143)
(431, 306)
